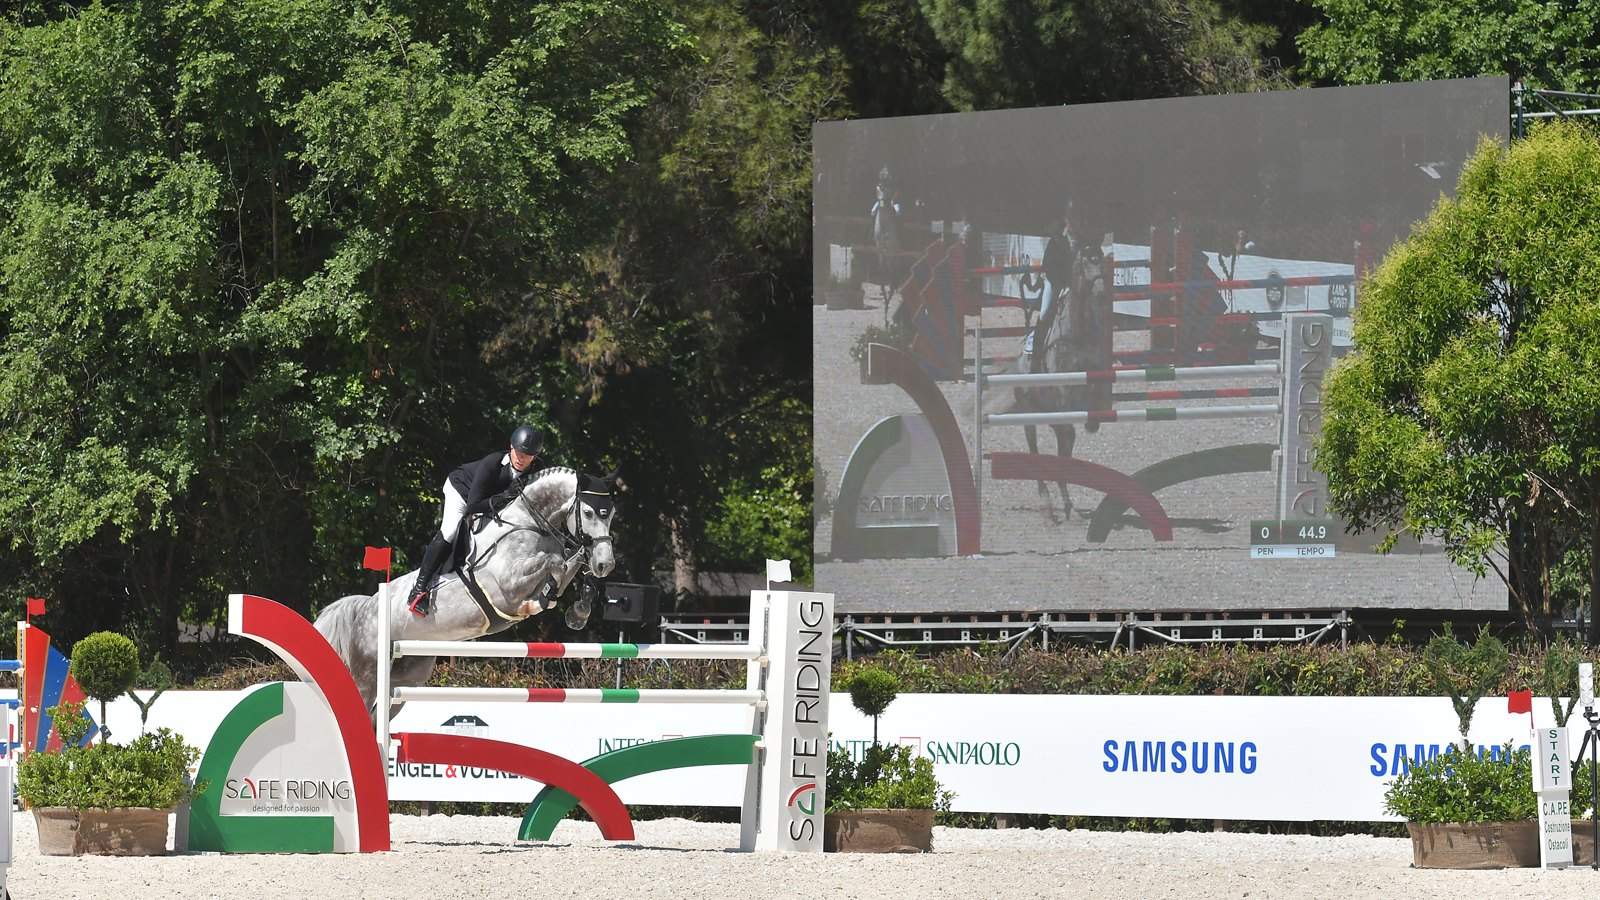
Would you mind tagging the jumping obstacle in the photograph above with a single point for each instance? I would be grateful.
(788, 670)
(1193, 337)
(1196, 334)
(1305, 356)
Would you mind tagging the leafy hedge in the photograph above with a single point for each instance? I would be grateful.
(146, 772)
(1360, 670)
(1289, 670)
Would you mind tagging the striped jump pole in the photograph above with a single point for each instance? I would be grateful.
(1155, 414)
(512, 650)
(1145, 358)
(1130, 322)
(1216, 394)
(579, 695)
(1147, 373)
(1140, 291)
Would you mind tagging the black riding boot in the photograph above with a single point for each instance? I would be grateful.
(432, 559)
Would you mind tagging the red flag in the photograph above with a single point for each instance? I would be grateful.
(1519, 702)
(377, 558)
(35, 606)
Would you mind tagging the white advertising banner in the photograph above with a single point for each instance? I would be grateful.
(576, 731)
(1277, 758)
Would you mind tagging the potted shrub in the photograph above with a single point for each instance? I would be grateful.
(1470, 810)
(108, 799)
(884, 804)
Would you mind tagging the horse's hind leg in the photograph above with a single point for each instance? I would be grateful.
(1032, 432)
(1066, 438)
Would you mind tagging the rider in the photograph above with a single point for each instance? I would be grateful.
(467, 491)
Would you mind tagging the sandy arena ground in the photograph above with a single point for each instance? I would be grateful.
(465, 856)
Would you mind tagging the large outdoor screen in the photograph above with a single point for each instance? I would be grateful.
(1152, 293)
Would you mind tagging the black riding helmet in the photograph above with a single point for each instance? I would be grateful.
(527, 439)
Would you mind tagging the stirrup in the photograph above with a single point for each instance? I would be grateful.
(424, 600)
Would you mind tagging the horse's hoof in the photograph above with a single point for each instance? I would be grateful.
(578, 615)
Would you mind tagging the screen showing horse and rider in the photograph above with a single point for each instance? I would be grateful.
(1149, 294)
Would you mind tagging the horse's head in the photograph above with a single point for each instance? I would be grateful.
(592, 514)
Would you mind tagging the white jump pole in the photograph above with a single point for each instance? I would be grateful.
(1157, 414)
(1152, 373)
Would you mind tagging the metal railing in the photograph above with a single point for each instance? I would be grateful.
(995, 630)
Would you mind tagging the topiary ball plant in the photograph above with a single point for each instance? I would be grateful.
(871, 692)
(105, 665)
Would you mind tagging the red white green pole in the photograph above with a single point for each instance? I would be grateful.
(524, 650)
(577, 695)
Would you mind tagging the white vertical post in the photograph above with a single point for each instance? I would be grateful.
(977, 416)
(1306, 357)
(756, 680)
(1551, 777)
(791, 779)
(385, 650)
(22, 690)
(7, 779)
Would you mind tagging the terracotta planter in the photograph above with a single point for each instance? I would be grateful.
(878, 831)
(130, 831)
(1474, 845)
(57, 826)
(1582, 842)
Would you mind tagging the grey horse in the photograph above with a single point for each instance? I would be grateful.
(523, 557)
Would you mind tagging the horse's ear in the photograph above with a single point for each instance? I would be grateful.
(610, 478)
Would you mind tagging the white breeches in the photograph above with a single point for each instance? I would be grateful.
(454, 506)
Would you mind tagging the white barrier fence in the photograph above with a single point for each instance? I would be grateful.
(1282, 758)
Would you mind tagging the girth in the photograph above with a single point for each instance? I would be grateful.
(469, 580)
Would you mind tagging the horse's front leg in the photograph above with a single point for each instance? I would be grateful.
(547, 578)
(1032, 433)
(1066, 437)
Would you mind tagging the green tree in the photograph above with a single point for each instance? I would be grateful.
(105, 665)
(1465, 674)
(1552, 44)
(1470, 412)
(253, 260)
(1010, 53)
(709, 267)
(1557, 677)
(871, 692)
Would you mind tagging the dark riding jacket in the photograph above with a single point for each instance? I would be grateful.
(480, 481)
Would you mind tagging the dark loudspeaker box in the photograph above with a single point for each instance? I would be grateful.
(636, 603)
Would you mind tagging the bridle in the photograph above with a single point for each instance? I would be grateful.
(575, 540)
(575, 544)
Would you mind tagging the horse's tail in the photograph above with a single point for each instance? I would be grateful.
(337, 622)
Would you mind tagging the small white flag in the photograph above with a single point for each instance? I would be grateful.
(778, 570)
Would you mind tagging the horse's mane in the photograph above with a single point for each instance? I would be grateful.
(509, 495)
(542, 474)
